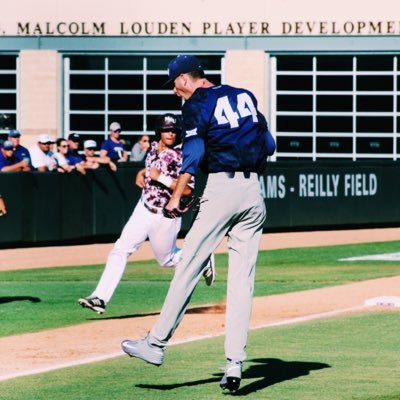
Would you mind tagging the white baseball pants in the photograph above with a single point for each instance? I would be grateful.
(234, 207)
(161, 232)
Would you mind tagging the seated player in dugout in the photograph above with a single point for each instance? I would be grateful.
(157, 180)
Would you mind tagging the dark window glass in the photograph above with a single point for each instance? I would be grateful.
(210, 62)
(8, 101)
(295, 157)
(87, 102)
(398, 126)
(8, 121)
(334, 124)
(294, 145)
(155, 63)
(8, 81)
(214, 78)
(156, 82)
(89, 63)
(294, 63)
(334, 63)
(128, 122)
(375, 145)
(286, 82)
(374, 124)
(335, 83)
(335, 145)
(151, 121)
(294, 124)
(119, 102)
(87, 82)
(125, 102)
(374, 103)
(334, 103)
(125, 82)
(163, 102)
(294, 103)
(161, 62)
(8, 62)
(375, 83)
(375, 63)
(86, 122)
(125, 63)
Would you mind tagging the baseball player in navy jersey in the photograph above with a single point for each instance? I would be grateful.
(226, 136)
(157, 179)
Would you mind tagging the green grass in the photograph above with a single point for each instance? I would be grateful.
(342, 358)
(38, 299)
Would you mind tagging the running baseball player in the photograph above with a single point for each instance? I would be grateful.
(228, 137)
(157, 179)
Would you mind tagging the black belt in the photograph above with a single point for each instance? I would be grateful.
(231, 174)
(153, 210)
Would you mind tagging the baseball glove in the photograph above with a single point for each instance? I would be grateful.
(187, 203)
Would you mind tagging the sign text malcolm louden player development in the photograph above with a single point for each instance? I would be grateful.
(320, 185)
(205, 28)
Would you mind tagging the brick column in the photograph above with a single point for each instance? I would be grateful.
(249, 69)
(39, 94)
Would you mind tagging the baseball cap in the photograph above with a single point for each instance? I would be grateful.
(8, 145)
(46, 138)
(14, 133)
(181, 65)
(115, 126)
(89, 144)
(74, 137)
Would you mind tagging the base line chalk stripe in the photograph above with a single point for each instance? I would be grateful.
(108, 356)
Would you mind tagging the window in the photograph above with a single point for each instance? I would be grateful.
(8, 94)
(336, 106)
(100, 89)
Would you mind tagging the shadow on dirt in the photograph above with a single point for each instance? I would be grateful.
(212, 309)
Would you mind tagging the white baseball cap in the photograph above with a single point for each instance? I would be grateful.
(89, 144)
(114, 126)
(46, 138)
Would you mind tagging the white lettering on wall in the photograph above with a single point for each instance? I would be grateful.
(360, 185)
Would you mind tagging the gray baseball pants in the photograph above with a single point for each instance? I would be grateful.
(234, 207)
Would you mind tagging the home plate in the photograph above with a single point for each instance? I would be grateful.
(387, 301)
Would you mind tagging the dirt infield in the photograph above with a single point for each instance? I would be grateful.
(40, 257)
(57, 348)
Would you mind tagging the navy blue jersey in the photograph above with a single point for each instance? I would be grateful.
(73, 157)
(234, 133)
(6, 162)
(22, 153)
(114, 150)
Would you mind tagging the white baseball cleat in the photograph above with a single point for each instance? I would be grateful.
(232, 376)
(144, 350)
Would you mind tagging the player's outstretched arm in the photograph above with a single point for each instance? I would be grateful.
(180, 186)
(170, 183)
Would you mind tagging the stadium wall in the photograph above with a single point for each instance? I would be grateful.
(57, 209)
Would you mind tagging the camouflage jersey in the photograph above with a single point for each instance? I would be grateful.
(169, 162)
